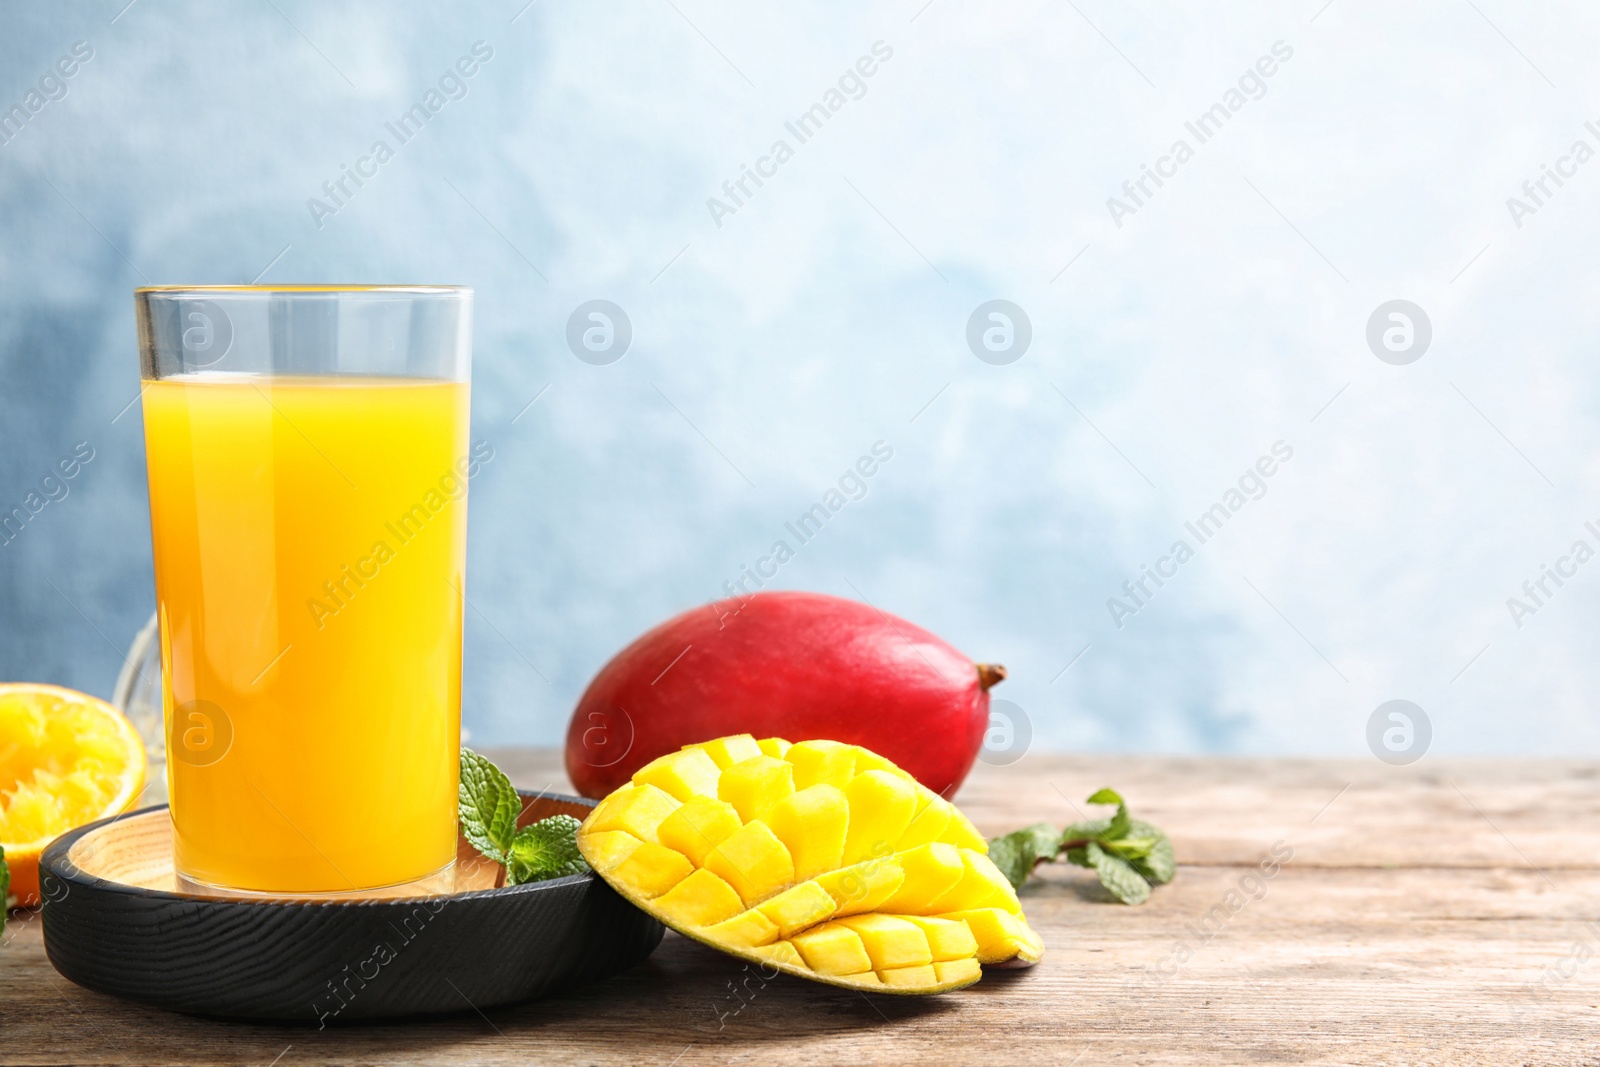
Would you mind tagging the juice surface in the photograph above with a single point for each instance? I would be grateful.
(310, 542)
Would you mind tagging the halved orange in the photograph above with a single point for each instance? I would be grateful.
(66, 759)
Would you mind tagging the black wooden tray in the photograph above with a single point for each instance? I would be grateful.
(114, 921)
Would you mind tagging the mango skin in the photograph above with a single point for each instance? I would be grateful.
(883, 908)
(783, 664)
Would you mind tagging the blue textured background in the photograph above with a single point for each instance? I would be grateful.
(829, 312)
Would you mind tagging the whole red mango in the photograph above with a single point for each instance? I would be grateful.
(801, 666)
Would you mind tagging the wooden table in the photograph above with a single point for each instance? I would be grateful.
(1444, 913)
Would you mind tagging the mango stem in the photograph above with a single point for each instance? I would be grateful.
(990, 675)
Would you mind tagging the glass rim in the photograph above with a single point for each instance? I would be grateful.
(415, 330)
(306, 288)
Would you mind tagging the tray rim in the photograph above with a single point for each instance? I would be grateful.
(54, 862)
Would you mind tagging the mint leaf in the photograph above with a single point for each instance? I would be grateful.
(1009, 854)
(1129, 854)
(1044, 839)
(1119, 824)
(1117, 875)
(488, 806)
(488, 810)
(1085, 831)
(1158, 864)
(546, 849)
(1129, 848)
(1018, 852)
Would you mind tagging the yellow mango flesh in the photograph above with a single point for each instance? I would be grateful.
(698, 827)
(754, 785)
(910, 977)
(957, 972)
(981, 886)
(611, 847)
(890, 940)
(747, 928)
(822, 763)
(753, 861)
(811, 824)
(821, 859)
(881, 807)
(1000, 935)
(863, 887)
(780, 952)
(701, 899)
(931, 871)
(650, 870)
(636, 809)
(948, 939)
(927, 826)
(682, 775)
(833, 949)
(799, 907)
(726, 751)
(962, 833)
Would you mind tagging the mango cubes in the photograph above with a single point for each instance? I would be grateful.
(821, 859)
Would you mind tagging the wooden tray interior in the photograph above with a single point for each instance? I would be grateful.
(137, 851)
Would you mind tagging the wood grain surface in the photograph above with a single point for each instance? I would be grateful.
(1447, 913)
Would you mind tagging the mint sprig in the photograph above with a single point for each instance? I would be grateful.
(1128, 854)
(1017, 853)
(546, 849)
(489, 807)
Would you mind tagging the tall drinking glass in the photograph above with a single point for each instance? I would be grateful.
(308, 461)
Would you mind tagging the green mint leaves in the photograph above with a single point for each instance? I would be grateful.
(489, 807)
(1018, 852)
(547, 849)
(1116, 873)
(1128, 854)
(1110, 845)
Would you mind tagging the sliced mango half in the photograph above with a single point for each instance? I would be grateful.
(821, 859)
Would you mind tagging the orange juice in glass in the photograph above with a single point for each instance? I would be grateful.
(308, 459)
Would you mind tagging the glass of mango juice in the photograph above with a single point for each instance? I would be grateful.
(308, 457)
